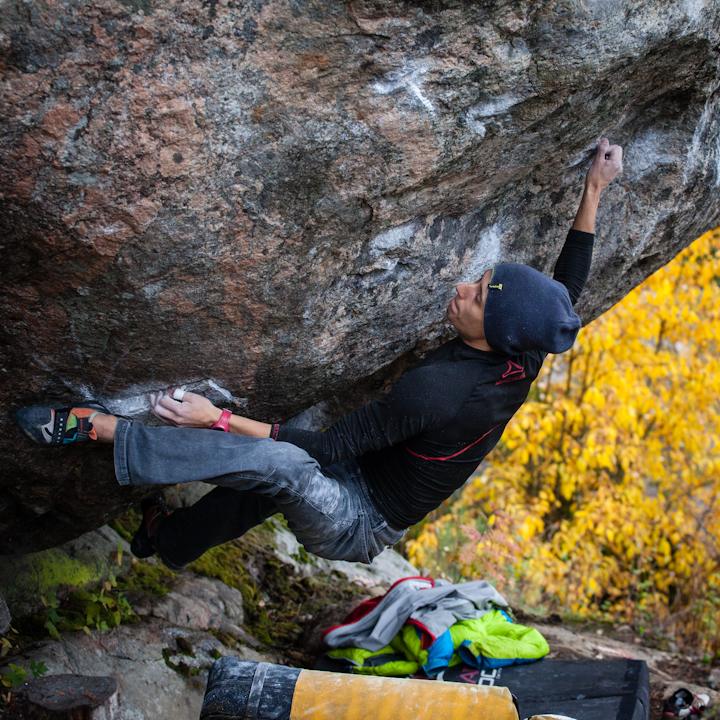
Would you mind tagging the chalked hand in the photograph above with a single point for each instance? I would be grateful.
(178, 407)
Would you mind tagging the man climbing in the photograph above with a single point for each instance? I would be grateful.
(351, 491)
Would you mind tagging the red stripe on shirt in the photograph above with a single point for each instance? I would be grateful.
(459, 452)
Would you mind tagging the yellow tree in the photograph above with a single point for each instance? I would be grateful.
(602, 497)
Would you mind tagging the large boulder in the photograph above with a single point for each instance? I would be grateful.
(275, 198)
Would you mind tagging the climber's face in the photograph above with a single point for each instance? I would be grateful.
(466, 311)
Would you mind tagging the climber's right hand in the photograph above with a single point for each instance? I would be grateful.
(191, 410)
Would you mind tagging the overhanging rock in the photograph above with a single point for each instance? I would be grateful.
(276, 198)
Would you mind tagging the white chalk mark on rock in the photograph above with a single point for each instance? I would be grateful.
(225, 393)
(415, 89)
(695, 9)
(489, 108)
(406, 79)
(152, 290)
(80, 392)
(694, 150)
(494, 106)
(393, 238)
(73, 332)
(485, 255)
(648, 152)
(128, 406)
(476, 126)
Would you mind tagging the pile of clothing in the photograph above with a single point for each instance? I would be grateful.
(423, 626)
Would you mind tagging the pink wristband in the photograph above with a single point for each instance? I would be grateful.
(224, 422)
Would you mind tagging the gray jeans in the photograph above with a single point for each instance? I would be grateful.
(329, 510)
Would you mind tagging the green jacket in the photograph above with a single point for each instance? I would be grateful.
(491, 641)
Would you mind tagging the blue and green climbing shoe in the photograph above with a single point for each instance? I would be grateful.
(52, 426)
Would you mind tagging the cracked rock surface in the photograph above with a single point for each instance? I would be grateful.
(272, 200)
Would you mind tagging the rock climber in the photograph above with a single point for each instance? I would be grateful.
(353, 490)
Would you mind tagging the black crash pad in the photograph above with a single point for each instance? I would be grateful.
(581, 689)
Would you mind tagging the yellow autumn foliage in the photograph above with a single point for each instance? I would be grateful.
(607, 479)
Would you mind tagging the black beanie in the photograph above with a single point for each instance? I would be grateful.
(526, 310)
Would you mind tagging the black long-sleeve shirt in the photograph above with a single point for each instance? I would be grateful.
(420, 442)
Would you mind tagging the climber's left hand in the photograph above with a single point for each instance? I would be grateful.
(606, 166)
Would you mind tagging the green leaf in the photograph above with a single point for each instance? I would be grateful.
(37, 669)
(92, 612)
(15, 676)
(124, 604)
(52, 630)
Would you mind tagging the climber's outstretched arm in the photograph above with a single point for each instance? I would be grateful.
(573, 265)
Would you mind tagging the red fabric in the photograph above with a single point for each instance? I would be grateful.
(362, 610)
(450, 457)
(369, 605)
(426, 637)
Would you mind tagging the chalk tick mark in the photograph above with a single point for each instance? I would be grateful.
(406, 79)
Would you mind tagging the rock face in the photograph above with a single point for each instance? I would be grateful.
(275, 198)
(201, 603)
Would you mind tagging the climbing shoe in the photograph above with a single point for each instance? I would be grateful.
(153, 510)
(684, 704)
(51, 426)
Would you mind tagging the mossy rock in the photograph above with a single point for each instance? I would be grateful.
(84, 562)
(150, 577)
(279, 602)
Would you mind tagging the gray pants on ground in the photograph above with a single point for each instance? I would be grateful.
(329, 510)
